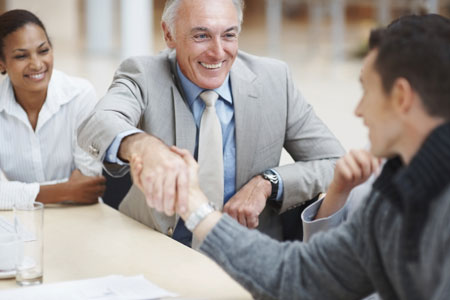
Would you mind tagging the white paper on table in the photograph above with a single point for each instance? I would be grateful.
(8, 227)
(113, 287)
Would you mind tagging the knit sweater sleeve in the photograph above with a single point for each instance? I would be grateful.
(443, 289)
(328, 267)
(440, 229)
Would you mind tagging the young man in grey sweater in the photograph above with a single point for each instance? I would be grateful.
(397, 243)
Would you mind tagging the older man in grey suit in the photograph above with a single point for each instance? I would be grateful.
(154, 102)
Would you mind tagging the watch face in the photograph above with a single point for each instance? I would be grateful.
(271, 177)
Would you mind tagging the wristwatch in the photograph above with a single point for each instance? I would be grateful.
(273, 179)
(197, 216)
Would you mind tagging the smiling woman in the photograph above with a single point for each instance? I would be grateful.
(28, 56)
(40, 110)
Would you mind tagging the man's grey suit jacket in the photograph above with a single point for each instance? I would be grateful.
(270, 113)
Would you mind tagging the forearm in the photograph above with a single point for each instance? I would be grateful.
(334, 201)
(269, 269)
(54, 193)
(206, 225)
(14, 192)
(196, 199)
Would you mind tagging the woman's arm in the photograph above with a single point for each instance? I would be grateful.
(79, 189)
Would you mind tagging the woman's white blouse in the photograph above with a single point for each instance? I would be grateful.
(49, 154)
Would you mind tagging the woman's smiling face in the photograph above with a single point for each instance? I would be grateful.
(28, 59)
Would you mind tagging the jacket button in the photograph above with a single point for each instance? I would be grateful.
(170, 231)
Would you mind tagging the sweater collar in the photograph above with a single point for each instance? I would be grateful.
(426, 176)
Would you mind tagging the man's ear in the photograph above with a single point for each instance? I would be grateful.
(2, 68)
(402, 95)
(170, 40)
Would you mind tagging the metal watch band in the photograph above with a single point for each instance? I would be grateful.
(197, 216)
(270, 176)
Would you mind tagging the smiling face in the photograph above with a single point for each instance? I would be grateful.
(377, 110)
(28, 59)
(206, 40)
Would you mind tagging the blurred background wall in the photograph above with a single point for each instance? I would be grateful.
(323, 42)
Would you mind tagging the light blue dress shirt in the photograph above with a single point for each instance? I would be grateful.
(225, 113)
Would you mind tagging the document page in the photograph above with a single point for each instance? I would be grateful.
(114, 287)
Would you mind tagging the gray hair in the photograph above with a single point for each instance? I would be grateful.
(171, 10)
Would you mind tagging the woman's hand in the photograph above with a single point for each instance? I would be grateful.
(78, 189)
(85, 189)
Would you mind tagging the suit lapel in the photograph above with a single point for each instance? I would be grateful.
(246, 111)
(185, 129)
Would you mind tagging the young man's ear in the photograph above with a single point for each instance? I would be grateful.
(170, 40)
(2, 68)
(402, 95)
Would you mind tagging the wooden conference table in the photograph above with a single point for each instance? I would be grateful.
(83, 242)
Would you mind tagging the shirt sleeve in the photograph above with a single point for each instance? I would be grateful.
(13, 192)
(280, 186)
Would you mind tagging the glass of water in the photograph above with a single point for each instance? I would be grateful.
(28, 223)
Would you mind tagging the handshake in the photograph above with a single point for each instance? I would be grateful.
(177, 191)
(168, 178)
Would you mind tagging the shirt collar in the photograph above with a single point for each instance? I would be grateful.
(192, 91)
(6, 95)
